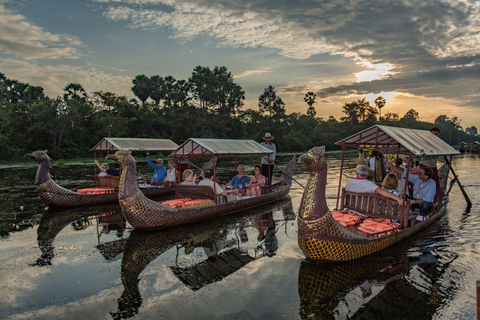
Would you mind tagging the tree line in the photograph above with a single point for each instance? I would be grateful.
(209, 104)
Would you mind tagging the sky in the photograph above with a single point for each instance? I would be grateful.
(423, 54)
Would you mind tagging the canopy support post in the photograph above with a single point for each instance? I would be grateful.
(465, 195)
(341, 173)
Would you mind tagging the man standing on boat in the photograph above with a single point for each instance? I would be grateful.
(268, 159)
(360, 184)
(431, 161)
(159, 172)
(210, 181)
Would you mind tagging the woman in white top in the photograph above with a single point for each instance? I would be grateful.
(103, 168)
(171, 172)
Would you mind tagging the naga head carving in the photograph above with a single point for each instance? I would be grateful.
(314, 159)
(39, 155)
(122, 157)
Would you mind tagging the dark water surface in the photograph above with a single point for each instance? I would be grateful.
(59, 264)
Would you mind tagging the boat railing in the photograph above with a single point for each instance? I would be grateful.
(376, 206)
(108, 181)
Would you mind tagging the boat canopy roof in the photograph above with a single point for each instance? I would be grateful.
(399, 140)
(109, 145)
(201, 147)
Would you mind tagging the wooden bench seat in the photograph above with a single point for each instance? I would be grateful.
(375, 206)
(194, 192)
(108, 181)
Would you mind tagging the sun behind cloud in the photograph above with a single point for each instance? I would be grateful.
(379, 71)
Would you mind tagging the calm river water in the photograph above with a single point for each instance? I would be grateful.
(59, 264)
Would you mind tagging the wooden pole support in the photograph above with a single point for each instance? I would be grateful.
(478, 299)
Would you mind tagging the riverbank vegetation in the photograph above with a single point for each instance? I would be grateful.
(207, 104)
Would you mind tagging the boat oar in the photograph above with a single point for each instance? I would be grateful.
(465, 195)
(452, 182)
(283, 171)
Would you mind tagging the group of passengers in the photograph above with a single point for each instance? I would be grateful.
(424, 179)
(246, 186)
(241, 184)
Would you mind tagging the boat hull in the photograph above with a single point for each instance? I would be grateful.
(56, 196)
(142, 214)
(321, 248)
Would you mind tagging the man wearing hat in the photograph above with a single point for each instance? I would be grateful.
(268, 159)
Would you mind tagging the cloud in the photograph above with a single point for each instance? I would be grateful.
(20, 38)
(54, 78)
(228, 25)
(248, 73)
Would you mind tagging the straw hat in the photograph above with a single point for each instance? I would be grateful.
(268, 135)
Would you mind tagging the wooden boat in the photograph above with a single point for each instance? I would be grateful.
(322, 237)
(54, 195)
(105, 187)
(143, 213)
(464, 147)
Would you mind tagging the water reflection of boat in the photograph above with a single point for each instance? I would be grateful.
(372, 288)
(54, 195)
(112, 221)
(223, 242)
(408, 282)
(54, 221)
(322, 286)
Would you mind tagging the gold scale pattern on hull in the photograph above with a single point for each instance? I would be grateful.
(320, 237)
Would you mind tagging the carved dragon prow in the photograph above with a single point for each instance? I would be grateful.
(315, 221)
(43, 180)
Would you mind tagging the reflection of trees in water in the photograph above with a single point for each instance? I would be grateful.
(222, 241)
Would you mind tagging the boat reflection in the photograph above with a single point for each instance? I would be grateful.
(222, 246)
(53, 222)
(111, 221)
(376, 287)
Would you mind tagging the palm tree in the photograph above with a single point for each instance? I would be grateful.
(310, 100)
(141, 87)
(380, 103)
(73, 92)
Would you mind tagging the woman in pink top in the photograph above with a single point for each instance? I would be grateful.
(256, 182)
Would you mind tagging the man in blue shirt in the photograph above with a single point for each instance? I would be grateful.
(424, 187)
(238, 182)
(159, 171)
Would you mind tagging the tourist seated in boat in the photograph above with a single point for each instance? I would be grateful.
(188, 178)
(400, 189)
(390, 183)
(240, 180)
(171, 172)
(256, 183)
(210, 181)
(424, 188)
(159, 172)
(105, 171)
(360, 184)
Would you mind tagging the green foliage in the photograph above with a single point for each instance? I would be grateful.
(71, 125)
(310, 100)
(270, 103)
